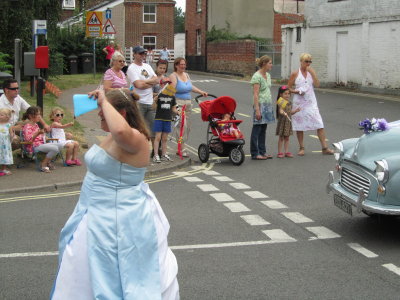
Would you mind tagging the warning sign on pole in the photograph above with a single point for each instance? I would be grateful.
(109, 28)
(94, 25)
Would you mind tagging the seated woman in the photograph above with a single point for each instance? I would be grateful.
(33, 134)
(227, 128)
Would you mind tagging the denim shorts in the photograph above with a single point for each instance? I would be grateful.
(162, 126)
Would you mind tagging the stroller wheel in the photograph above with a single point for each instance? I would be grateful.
(204, 153)
(236, 156)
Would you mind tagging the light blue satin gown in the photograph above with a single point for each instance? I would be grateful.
(114, 245)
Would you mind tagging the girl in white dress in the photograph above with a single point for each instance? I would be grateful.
(57, 132)
(6, 134)
(308, 118)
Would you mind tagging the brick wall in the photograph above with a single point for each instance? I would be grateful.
(232, 57)
(163, 29)
(195, 20)
(282, 19)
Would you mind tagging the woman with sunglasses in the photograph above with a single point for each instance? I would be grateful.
(301, 83)
(114, 77)
(57, 132)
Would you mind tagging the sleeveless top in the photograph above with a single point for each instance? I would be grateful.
(183, 89)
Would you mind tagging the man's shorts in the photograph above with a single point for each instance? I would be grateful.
(148, 114)
(162, 126)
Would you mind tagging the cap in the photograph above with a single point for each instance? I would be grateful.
(139, 49)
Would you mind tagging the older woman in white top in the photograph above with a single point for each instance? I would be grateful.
(308, 118)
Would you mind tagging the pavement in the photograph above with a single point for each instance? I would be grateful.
(29, 179)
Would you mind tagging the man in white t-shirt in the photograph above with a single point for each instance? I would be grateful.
(143, 78)
(13, 101)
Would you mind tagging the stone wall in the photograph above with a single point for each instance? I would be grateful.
(231, 57)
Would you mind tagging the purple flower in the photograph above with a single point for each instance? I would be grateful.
(382, 125)
(373, 125)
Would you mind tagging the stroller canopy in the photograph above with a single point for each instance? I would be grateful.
(217, 107)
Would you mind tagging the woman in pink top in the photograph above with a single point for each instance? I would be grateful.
(114, 78)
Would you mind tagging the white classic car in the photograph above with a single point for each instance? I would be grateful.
(367, 173)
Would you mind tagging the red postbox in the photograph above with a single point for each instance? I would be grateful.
(42, 57)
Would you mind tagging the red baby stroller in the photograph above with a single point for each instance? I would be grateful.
(219, 141)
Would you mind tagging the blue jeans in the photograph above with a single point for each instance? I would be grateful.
(257, 143)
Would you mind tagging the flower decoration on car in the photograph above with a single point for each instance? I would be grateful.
(373, 125)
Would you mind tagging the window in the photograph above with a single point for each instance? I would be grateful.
(198, 5)
(149, 13)
(68, 4)
(149, 42)
(198, 42)
(298, 34)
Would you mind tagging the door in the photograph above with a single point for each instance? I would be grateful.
(341, 58)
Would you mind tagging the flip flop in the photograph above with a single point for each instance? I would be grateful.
(259, 157)
(45, 170)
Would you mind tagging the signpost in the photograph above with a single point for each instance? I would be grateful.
(94, 28)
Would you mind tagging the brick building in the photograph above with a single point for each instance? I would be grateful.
(137, 22)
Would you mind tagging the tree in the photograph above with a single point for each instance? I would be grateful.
(179, 20)
(16, 21)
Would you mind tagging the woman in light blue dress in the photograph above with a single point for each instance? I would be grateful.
(114, 245)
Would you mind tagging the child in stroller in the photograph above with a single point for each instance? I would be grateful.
(223, 136)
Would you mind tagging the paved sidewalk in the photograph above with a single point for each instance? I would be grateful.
(29, 178)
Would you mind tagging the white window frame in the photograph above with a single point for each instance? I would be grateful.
(68, 5)
(150, 14)
(146, 46)
(198, 42)
(198, 5)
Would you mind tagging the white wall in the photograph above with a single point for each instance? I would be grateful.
(372, 48)
(179, 45)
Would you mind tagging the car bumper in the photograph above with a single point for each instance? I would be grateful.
(359, 201)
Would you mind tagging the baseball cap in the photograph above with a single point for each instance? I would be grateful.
(139, 49)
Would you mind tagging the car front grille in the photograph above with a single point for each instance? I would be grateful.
(354, 182)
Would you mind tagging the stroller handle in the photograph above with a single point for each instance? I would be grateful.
(201, 96)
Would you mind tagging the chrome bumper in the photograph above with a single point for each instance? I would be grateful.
(360, 201)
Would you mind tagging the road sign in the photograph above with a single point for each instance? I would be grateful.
(108, 13)
(39, 27)
(94, 26)
(109, 28)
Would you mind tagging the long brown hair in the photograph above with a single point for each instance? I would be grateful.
(31, 111)
(122, 99)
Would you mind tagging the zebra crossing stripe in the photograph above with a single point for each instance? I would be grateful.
(207, 187)
(193, 179)
(239, 185)
(222, 197)
(274, 204)
(236, 207)
(322, 233)
(223, 178)
(391, 267)
(360, 249)
(256, 195)
(210, 172)
(297, 217)
(278, 235)
(254, 220)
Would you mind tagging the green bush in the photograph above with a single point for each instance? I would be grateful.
(4, 65)
(225, 34)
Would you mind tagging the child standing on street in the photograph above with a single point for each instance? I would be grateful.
(57, 132)
(6, 135)
(165, 105)
(284, 127)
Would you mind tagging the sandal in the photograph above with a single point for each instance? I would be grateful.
(51, 166)
(267, 156)
(301, 151)
(289, 154)
(259, 157)
(6, 172)
(45, 170)
(327, 151)
(280, 155)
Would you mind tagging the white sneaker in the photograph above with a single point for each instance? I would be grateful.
(156, 159)
(166, 158)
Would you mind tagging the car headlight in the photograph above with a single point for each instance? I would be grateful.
(338, 150)
(382, 170)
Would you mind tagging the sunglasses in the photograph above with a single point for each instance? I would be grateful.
(308, 61)
(13, 89)
(121, 61)
(59, 115)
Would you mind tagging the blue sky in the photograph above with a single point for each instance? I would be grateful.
(181, 4)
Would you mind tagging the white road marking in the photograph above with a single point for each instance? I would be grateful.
(239, 185)
(236, 207)
(256, 195)
(360, 249)
(316, 137)
(181, 173)
(193, 179)
(211, 172)
(205, 80)
(223, 178)
(322, 233)
(297, 217)
(222, 245)
(274, 204)
(278, 235)
(197, 167)
(28, 254)
(391, 267)
(244, 115)
(254, 220)
(207, 187)
(222, 197)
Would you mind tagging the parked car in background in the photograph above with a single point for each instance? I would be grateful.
(367, 172)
